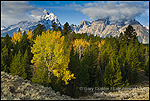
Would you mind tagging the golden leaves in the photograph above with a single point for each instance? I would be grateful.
(49, 48)
(17, 37)
(30, 34)
(80, 44)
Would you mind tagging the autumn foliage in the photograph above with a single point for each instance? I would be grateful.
(49, 49)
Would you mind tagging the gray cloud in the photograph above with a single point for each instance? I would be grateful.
(116, 11)
(14, 11)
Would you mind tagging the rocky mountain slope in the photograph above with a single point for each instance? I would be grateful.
(47, 20)
(100, 27)
(104, 28)
(16, 88)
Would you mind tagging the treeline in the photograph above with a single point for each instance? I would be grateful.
(67, 60)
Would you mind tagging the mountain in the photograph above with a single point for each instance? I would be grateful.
(46, 20)
(104, 28)
(3, 27)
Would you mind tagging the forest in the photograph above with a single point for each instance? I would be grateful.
(66, 60)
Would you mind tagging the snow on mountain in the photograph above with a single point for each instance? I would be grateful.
(47, 20)
(100, 27)
(104, 28)
(3, 27)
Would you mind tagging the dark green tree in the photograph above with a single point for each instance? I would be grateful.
(26, 65)
(90, 62)
(38, 31)
(16, 67)
(54, 26)
(41, 75)
(112, 74)
(66, 29)
(4, 59)
(74, 66)
(24, 43)
(130, 33)
(59, 29)
(19, 30)
(131, 63)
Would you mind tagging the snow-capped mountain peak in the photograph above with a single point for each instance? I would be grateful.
(48, 16)
(47, 19)
(45, 11)
(104, 28)
(3, 27)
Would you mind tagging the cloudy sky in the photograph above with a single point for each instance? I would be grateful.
(75, 11)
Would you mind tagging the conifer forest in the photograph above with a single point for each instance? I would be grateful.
(65, 60)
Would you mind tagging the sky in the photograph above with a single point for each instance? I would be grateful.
(74, 12)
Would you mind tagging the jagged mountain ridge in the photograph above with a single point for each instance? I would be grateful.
(47, 20)
(104, 28)
(99, 27)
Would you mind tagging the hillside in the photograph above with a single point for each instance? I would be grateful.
(16, 88)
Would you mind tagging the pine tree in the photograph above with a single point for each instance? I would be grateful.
(4, 59)
(84, 75)
(121, 37)
(131, 63)
(75, 67)
(112, 74)
(19, 30)
(24, 43)
(7, 42)
(108, 74)
(26, 65)
(38, 31)
(59, 29)
(130, 33)
(117, 77)
(16, 67)
(41, 75)
(90, 60)
(66, 29)
(54, 26)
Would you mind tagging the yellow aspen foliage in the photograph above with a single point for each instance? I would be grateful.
(49, 48)
(17, 37)
(79, 46)
(100, 43)
(30, 34)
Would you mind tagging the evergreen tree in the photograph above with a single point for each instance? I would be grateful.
(74, 66)
(131, 63)
(121, 37)
(38, 31)
(19, 30)
(23, 44)
(59, 29)
(16, 67)
(26, 65)
(54, 26)
(112, 74)
(6, 41)
(90, 60)
(41, 75)
(130, 33)
(4, 59)
(66, 29)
